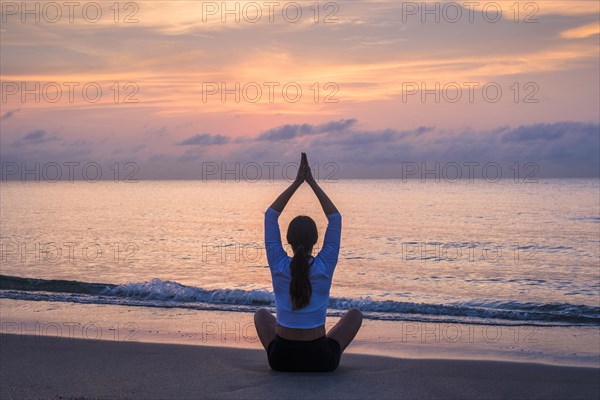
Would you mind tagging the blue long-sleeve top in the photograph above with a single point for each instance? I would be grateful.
(320, 274)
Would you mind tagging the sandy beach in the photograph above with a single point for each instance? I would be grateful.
(34, 367)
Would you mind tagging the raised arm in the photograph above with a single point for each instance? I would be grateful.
(326, 203)
(281, 201)
(273, 244)
(331, 244)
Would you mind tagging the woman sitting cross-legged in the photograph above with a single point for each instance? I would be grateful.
(296, 341)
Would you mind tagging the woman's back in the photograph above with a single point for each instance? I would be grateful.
(321, 269)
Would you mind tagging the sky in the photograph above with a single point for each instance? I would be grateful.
(369, 89)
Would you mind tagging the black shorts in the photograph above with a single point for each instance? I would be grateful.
(319, 355)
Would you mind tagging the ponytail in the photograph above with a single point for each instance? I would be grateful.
(302, 235)
(300, 287)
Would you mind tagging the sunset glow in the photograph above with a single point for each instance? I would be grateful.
(186, 68)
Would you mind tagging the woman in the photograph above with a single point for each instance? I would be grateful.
(296, 340)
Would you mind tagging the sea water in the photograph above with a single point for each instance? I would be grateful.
(502, 252)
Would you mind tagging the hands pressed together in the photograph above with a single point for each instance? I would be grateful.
(304, 172)
(304, 175)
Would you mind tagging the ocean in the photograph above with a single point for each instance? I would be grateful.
(474, 252)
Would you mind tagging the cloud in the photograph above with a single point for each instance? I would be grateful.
(566, 148)
(189, 156)
(541, 132)
(561, 149)
(339, 125)
(204, 139)
(35, 137)
(9, 114)
(287, 132)
(581, 31)
(568, 144)
(415, 51)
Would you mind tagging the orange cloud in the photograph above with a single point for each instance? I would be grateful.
(582, 31)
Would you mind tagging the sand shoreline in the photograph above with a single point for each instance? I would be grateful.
(568, 346)
(75, 368)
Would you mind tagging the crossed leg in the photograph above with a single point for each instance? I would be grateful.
(346, 328)
(265, 324)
